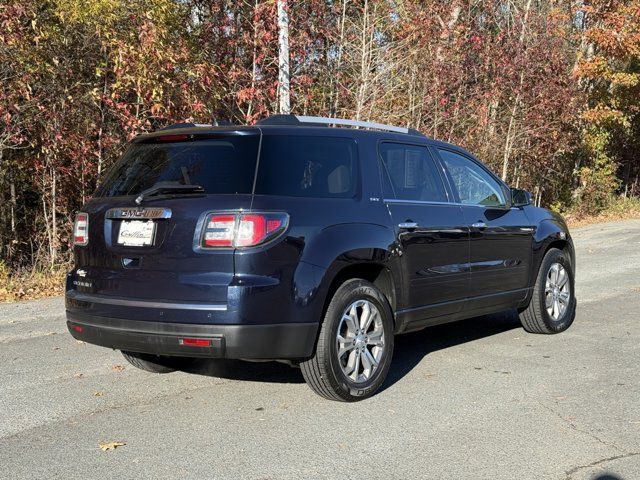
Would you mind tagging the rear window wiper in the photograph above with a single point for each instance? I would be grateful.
(162, 187)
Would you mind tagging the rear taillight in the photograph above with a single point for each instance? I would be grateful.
(81, 229)
(241, 229)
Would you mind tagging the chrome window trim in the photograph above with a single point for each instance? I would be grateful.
(429, 202)
(420, 202)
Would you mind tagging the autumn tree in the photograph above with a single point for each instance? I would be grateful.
(608, 70)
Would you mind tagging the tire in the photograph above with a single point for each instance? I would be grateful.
(535, 318)
(156, 363)
(325, 372)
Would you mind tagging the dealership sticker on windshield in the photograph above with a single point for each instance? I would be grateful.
(136, 233)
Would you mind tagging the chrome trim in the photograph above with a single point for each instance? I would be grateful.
(456, 204)
(351, 123)
(420, 202)
(408, 225)
(134, 213)
(125, 302)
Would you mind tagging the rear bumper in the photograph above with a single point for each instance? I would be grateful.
(273, 341)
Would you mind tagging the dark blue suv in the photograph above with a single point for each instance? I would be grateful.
(296, 240)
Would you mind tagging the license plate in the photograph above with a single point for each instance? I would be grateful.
(136, 233)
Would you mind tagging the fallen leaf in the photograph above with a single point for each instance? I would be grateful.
(104, 446)
(118, 368)
(98, 394)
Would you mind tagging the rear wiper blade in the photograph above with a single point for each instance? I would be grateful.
(162, 187)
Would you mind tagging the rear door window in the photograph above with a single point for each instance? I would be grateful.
(307, 166)
(223, 165)
(409, 173)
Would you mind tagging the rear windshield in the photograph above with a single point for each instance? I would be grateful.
(290, 165)
(219, 165)
(306, 166)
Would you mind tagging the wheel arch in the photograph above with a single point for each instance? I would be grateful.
(551, 233)
(376, 273)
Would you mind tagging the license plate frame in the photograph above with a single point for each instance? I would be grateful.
(137, 233)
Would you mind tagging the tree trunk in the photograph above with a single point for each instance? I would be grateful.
(45, 215)
(336, 75)
(54, 220)
(508, 145)
(362, 83)
(283, 58)
(254, 64)
(101, 129)
(14, 205)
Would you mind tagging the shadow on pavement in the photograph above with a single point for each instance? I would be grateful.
(410, 349)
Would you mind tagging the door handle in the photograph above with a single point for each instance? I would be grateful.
(480, 225)
(408, 225)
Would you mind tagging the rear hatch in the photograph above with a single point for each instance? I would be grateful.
(143, 222)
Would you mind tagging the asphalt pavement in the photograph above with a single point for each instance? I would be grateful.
(478, 399)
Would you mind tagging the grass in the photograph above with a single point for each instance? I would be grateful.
(28, 285)
(619, 208)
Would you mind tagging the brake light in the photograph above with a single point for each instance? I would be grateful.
(241, 229)
(81, 229)
(171, 138)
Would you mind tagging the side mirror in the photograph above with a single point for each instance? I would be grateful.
(520, 198)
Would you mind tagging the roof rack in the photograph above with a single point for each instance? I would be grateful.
(304, 119)
(214, 123)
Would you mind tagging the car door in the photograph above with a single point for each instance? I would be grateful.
(431, 236)
(500, 236)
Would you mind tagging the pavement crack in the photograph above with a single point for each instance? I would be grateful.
(570, 473)
(578, 429)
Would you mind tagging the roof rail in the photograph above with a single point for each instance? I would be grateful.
(185, 125)
(214, 123)
(304, 119)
